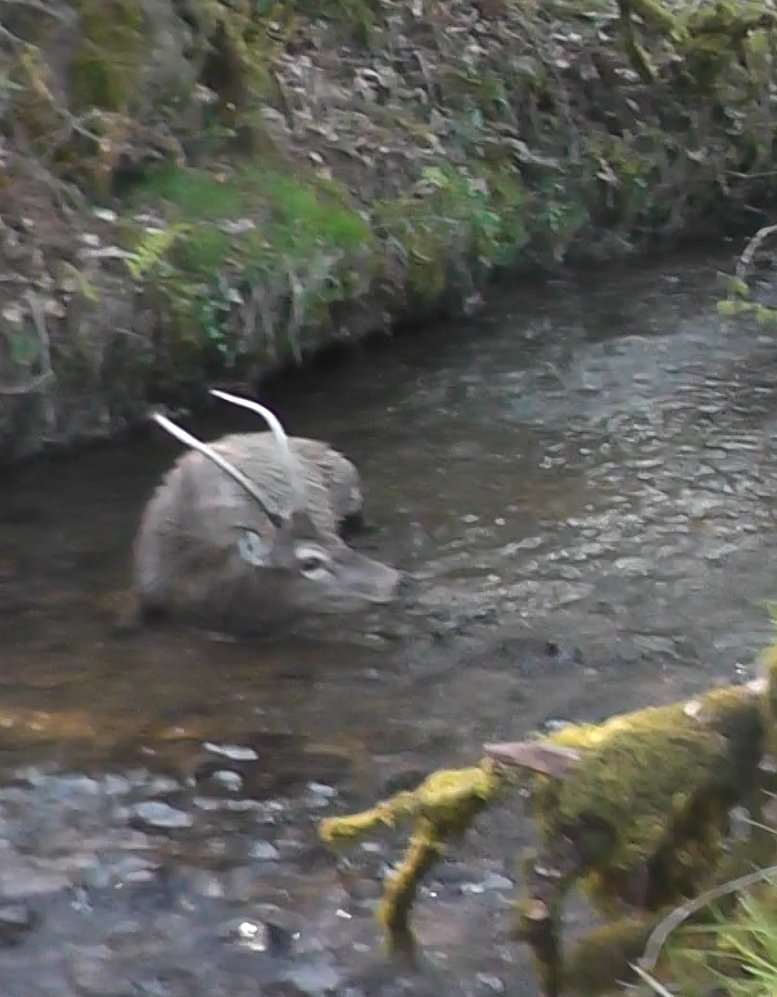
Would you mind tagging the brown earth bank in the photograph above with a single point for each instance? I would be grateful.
(200, 191)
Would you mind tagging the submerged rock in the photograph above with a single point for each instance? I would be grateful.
(15, 921)
(155, 814)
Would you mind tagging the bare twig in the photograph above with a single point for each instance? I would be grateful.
(26, 389)
(44, 8)
(38, 317)
(746, 259)
(652, 982)
(664, 928)
(297, 314)
(47, 373)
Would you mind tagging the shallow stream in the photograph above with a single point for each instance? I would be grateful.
(582, 482)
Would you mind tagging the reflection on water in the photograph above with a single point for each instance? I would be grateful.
(581, 481)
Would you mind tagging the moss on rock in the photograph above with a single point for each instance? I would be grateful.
(106, 68)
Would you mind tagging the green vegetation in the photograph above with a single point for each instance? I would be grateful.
(735, 950)
(280, 167)
(451, 219)
(105, 70)
(247, 231)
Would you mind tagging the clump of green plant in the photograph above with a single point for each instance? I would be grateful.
(252, 230)
(453, 217)
(357, 18)
(734, 950)
(106, 68)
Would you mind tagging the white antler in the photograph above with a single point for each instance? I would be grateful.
(289, 460)
(213, 455)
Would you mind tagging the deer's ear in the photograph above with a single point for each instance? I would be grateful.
(254, 548)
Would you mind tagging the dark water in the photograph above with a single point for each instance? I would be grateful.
(582, 481)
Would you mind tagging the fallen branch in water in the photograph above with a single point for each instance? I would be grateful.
(748, 255)
(634, 810)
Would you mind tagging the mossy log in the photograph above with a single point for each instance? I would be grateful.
(635, 811)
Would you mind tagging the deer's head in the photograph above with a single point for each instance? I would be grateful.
(300, 567)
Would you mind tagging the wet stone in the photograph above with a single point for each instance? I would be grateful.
(490, 984)
(283, 988)
(553, 724)
(264, 851)
(235, 752)
(154, 814)
(397, 782)
(490, 881)
(261, 936)
(92, 974)
(232, 781)
(15, 921)
(16, 884)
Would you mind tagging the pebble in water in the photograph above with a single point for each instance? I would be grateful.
(265, 851)
(155, 814)
(15, 921)
(92, 974)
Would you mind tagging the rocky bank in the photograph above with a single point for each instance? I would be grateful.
(206, 190)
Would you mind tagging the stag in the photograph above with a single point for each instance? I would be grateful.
(242, 534)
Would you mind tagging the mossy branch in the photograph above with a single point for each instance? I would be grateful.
(634, 809)
(443, 807)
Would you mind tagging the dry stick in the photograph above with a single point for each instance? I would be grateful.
(41, 7)
(746, 259)
(297, 314)
(653, 983)
(28, 388)
(664, 929)
(47, 373)
(39, 318)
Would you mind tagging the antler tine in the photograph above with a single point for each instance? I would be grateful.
(222, 462)
(280, 438)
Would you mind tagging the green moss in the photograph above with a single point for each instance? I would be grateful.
(619, 179)
(557, 212)
(293, 239)
(291, 215)
(106, 68)
(356, 19)
(659, 783)
(443, 806)
(472, 218)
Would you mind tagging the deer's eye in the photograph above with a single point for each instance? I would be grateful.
(312, 563)
(251, 548)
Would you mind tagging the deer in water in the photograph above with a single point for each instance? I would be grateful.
(242, 534)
